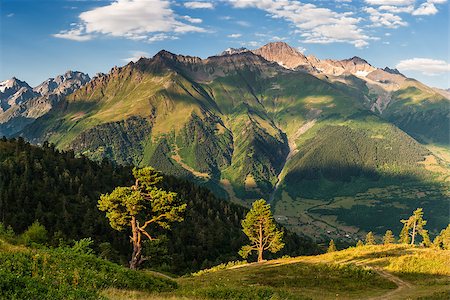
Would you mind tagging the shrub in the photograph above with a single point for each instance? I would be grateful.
(35, 234)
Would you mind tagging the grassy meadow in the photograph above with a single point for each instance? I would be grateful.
(367, 272)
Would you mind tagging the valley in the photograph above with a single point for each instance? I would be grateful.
(249, 125)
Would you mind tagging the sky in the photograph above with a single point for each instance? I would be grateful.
(45, 38)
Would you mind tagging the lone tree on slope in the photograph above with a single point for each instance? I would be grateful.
(331, 247)
(388, 237)
(370, 238)
(261, 230)
(144, 201)
(415, 224)
(442, 241)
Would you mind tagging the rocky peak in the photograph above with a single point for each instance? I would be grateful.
(62, 84)
(393, 71)
(283, 54)
(166, 55)
(231, 51)
(12, 85)
(14, 91)
(357, 60)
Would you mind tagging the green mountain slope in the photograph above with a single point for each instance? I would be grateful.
(248, 128)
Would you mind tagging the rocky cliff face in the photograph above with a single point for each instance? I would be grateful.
(20, 104)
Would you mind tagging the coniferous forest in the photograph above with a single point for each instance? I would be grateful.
(60, 191)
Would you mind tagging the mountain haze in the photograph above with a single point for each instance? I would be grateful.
(334, 145)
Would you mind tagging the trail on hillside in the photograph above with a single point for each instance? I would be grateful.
(401, 285)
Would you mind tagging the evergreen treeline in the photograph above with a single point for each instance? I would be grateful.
(61, 191)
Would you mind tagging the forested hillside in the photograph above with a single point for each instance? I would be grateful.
(61, 191)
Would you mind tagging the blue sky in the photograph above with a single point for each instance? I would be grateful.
(41, 39)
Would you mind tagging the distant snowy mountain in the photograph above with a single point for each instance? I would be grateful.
(231, 51)
(20, 104)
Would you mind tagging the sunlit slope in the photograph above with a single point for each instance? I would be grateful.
(368, 272)
(421, 112)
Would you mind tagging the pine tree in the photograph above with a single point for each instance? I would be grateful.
(388, 238)
(370, 238)
(442, 241)
(125, 205)
(261, 230)
(359, 243)
(416, 223)
(404, 235)
(331, 247)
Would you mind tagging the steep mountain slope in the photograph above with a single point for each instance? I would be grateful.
(245, 127)
(419, 110)
(21, 105)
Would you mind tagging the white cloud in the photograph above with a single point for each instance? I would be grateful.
(243, 23)
(131, 19)
(135, 56)
(161, 37)
(428, 8)
(192, 20)
(234, 35)
(426, 66)
(198, 5)
(315, 24)
(397, 9)
(301, 49)
(251, 44)
(278, 38)
(425, 9)
(380, 19)
(10, 15)
(390, 2)
(78, 33)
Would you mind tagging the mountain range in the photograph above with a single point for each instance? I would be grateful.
(20, 104)
(339, 147)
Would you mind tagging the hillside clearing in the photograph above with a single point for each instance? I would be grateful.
(369, 272)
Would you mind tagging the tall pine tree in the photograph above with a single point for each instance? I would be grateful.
(260, 228)
(415, 224)
(126, 206)
(388, 237)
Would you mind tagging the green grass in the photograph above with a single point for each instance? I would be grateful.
(63, 274)
(348, 274)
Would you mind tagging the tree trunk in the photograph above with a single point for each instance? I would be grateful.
(413, 233)
(137, 249)
(260, 248)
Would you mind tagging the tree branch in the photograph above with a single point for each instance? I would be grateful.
(147, 234)
(152, 220)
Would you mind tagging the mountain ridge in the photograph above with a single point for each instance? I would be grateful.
(26, 104)
(247, 128)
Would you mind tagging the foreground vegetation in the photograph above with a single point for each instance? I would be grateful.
(388, 271)
(366, 272)
(66, 273)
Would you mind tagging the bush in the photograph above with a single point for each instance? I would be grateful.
(35, 234)
(83, 246)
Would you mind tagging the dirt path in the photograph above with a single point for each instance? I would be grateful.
(401, 285)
